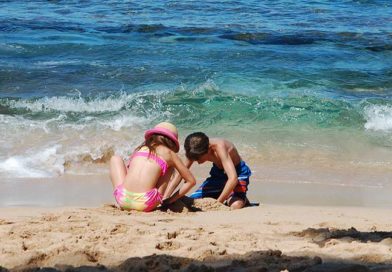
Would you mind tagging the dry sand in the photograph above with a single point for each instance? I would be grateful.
(199, 236)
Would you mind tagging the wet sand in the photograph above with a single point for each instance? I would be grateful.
(92, 191)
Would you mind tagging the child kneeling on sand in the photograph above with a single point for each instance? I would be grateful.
(140, 184)
(229, 175)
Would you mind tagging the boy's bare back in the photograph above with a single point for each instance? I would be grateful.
(225, 146)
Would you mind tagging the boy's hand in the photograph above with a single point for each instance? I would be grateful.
(165, 202)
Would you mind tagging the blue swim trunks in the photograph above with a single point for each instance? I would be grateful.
(213, 185)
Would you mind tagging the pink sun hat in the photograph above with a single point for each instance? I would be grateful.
(166, 129)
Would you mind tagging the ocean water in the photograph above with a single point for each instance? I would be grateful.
(295, 84)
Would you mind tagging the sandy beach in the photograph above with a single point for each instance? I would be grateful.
(197, 236)
(55, 223)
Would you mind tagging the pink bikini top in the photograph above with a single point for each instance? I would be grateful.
(162, 163)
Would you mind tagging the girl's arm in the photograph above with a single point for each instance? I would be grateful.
(173, 183)
(182, 173)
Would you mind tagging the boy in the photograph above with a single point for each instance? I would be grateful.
(229, 175)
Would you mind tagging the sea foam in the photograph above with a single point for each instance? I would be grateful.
(378, 118)
(34, 164)
(72, 104)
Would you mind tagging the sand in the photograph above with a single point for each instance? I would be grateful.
(197, 236)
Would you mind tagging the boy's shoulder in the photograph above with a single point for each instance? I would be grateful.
(221, 141)
(221, 144)
(218, 140)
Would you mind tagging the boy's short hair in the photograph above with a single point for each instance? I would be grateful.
(196, 145)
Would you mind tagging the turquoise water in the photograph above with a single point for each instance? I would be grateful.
(287, 81)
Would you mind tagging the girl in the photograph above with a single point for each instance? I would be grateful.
(141, 184)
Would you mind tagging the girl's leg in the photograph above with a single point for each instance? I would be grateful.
(164, 181)
(117, 170)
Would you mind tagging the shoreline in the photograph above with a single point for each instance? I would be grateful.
(93, 191)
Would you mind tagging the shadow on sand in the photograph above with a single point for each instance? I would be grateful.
(272, 260)
(322, 235)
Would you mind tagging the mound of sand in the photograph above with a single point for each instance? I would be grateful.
(187, 204)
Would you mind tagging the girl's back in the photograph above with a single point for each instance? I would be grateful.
(145, 168)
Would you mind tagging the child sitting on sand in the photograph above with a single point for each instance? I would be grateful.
(140, 184)
(229, 175)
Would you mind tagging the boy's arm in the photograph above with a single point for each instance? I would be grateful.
(231, 173)
(182, 173)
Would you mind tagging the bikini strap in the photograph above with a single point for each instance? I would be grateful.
(162, 163)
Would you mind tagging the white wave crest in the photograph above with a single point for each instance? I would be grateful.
(72, 104)
(53, 63)
(11, 47)
(378, 118)
(34, 164)
(208, 85)
(123, 121)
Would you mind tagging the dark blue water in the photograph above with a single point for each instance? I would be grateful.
(286, 72)
(49, 48)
